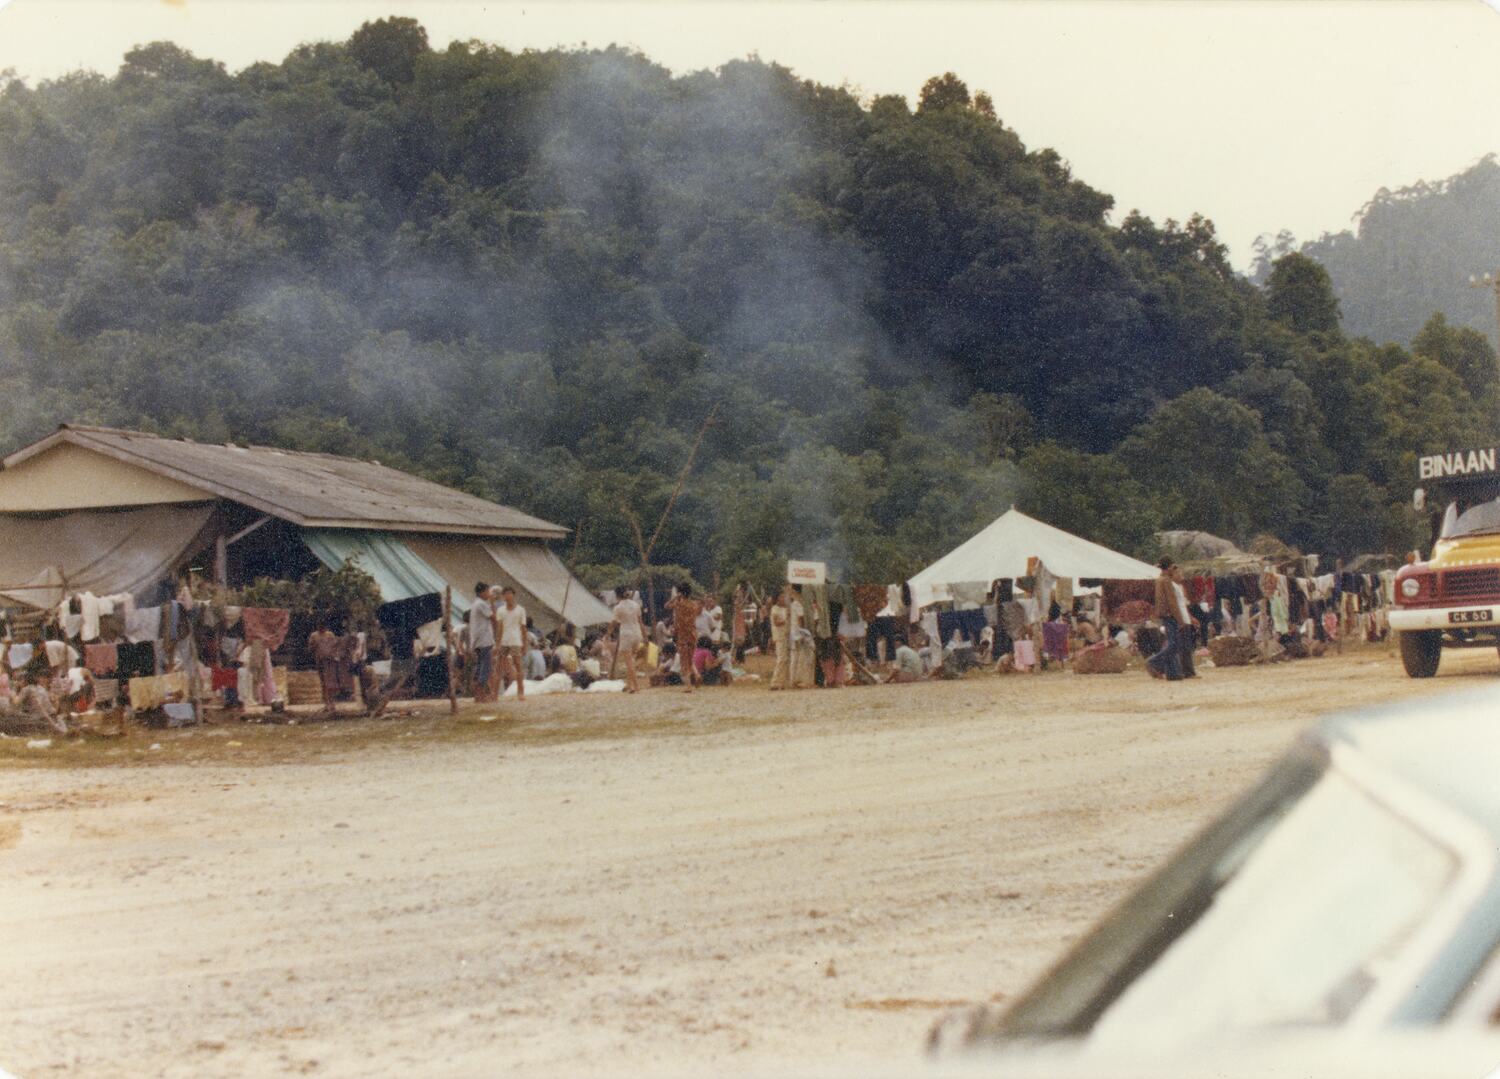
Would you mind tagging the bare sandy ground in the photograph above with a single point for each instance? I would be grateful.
(608, 885)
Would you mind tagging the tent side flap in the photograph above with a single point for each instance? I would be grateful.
(100, 551)
(543, 574)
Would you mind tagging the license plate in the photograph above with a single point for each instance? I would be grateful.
(1459, 618)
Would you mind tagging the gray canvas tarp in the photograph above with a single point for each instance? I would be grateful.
(100, 551)
(543, 574)
(540, 578)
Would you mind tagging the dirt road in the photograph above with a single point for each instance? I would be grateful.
(607, 885)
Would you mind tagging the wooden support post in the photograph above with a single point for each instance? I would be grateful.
(221, 561)
(448, 648)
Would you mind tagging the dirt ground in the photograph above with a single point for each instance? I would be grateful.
(601, 884)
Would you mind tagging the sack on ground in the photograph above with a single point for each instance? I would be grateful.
(1101, 661)
(1234, 651)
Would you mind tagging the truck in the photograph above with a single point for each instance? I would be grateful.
(1452, 599)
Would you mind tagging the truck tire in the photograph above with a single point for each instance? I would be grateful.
(1421, 651)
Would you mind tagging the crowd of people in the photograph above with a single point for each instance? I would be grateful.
(834, 636)
(108, 649)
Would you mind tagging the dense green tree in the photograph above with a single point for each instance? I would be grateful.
(1358, 519)
(1211, 453)
(389, 47)
(945, 91)
(1299, 293)
(1463, 351)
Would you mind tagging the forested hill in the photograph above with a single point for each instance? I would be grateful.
(534, 274)
(1411, 252)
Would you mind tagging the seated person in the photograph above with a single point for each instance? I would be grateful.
(987, 645)
(907, 666)
(710, 664)
(35, 700)
(668, 670)
(959, 656)
(567, 655)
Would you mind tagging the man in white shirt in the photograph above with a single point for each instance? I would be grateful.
(510, 620)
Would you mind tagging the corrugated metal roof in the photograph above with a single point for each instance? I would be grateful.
(315, 490)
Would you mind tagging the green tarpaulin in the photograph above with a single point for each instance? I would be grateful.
(398, 572)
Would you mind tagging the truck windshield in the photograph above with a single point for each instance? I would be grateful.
(1479, 520)
(1277, 944)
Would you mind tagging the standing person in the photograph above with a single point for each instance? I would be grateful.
(685, 611)
(323, 643)
(510, 619)
(1167, 663)
(1187, 628)
(804, 649)
(742, 614)
(630, 633)
(482, 642)
(781, 639)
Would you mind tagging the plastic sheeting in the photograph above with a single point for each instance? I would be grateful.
(544, 575)
(539, 577)
(99, 551)
(398, 572)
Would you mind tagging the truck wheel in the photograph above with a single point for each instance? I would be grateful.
(1421, 650)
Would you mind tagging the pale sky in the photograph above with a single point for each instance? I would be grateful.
(1262, 114)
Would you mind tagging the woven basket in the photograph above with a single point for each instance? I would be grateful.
(303, 687)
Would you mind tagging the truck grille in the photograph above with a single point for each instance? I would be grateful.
(1471, 583)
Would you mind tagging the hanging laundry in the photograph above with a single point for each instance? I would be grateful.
(970, 624)
(153, 692)
(1013, 619)
(970, 594)
(88, 607)
(262, 676)
(1055, 640)
(885, 628)
(1134, 612)
(136, 660)
(269, 624)
(1119, 593)
(101, 659)
(870, 598)
(20, 655)
(1279, 615)
(143, 624)
(1044, 582)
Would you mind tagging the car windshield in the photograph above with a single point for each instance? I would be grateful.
(1482, 519)
(1303, 921)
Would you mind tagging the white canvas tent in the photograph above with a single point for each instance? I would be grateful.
(1002, 549)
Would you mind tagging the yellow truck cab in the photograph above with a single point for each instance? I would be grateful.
(1452, 600)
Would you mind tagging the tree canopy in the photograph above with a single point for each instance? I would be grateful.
(532, 275)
